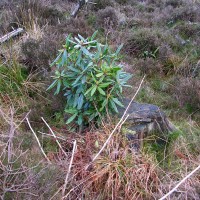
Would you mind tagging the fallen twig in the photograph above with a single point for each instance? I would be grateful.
(54, 137)
(11, 35)
(37, 141)
(80, 4)
(69, 169)
(60, 138)
(181, 182)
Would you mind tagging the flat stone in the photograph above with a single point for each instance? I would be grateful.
(143, 120)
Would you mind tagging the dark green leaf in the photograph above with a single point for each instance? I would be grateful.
(103, 104)
(101, 91)
(93, 90)
(74, 69)
(55, 61)
(71, 118)
(94, 35)
(76, 100)
(80, 120)
(80, 102)
(117, 102)
(113, 105)
(104, 85)
(65, 83)
(76, 81)
(64, 58)
(52, 85)
(86, 52)
(58, 87)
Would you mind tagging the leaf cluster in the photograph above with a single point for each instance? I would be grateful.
(91, 78)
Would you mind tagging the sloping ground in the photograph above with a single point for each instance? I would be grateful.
(161, 40)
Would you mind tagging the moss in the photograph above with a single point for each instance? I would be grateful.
(91, 20)
(50, 145)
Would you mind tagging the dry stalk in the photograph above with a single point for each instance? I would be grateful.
(11, 135)
(69, 169)
(181, 182)
(60, 138)
(15, 178)
(37, 141)
(54, 137)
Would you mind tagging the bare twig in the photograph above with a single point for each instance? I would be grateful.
(60, 138)
(11, 35)
(181, 182)
(54, 137)
(81, 3)
(37, 141)
(69, 169)
(119, 123)
(11, 135)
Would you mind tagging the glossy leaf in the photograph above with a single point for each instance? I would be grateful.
(80, 102)
(113, 106)
(80, 120)
(93, 90)
(71, 118)
(104, 85)
(117, 102)
(52, 85)
(58, 87)
(101, 91)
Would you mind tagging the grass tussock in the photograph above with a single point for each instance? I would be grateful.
(117, 173)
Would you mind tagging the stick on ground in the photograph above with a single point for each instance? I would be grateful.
(181, 182)
(11, 35)
(37, 140)
(69, 169)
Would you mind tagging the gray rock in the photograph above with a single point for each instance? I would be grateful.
(143, 120)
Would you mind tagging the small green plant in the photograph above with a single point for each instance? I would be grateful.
(150, 54)
(90, 77)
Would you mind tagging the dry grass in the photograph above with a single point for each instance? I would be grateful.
(118, 173)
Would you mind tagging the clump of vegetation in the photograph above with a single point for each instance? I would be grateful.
(187, 92)
(121, 1)
(187, 13)
(31, 11)
(174, 3)
(107, 17)
(124, 174)
(188, 30)
(13, 85)
(92, 80)
(148, 66)
(101, 4)
(38, 54)
(72, 26)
